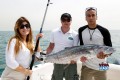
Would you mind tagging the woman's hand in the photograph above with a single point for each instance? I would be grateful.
(39, 35)
(28, 72)
(24, 70)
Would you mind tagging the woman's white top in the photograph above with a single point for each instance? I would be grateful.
(23, 57)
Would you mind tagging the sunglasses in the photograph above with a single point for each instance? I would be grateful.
(23, 26)
(65, 20)
(91, 8)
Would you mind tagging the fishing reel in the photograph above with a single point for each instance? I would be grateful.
(40, 56)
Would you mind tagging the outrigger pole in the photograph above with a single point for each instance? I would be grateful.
(36, 46)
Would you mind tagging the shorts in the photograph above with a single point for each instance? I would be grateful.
(11, 74)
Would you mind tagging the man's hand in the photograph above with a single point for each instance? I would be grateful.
(102, 55)
(72, 62)
(83, 59)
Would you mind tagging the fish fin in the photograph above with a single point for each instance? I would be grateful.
(71, 47)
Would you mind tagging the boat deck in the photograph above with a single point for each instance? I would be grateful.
(44, 71)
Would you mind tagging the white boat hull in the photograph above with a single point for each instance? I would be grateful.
(44, 71)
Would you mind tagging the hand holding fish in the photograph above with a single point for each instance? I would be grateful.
(72, 62)
(102, 55)
(83, 59)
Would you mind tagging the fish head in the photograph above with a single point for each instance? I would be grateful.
(106, 49)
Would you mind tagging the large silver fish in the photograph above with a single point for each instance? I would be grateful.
(74, 53)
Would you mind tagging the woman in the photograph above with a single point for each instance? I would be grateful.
(19, 52)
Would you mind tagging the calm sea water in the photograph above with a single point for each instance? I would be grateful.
(5, 36)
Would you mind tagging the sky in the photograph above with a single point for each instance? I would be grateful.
(33, 10)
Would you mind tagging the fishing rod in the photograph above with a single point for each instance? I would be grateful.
(36, 46)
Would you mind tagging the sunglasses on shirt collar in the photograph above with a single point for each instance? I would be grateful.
(27, 26)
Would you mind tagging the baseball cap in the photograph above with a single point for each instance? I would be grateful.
(66, 16)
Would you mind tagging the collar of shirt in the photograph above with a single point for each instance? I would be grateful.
(70, 31)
